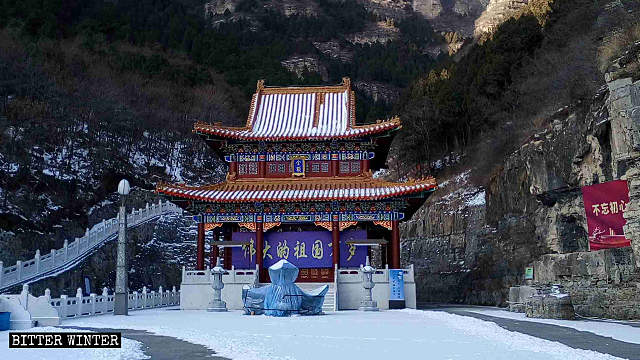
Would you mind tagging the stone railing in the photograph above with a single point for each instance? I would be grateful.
(379, 276)
(233, 276)
(196, 288)
(28, 311)
(72, 253)
(79, 305)
(349, 287)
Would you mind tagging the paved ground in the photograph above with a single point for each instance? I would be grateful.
(568, 336)
(161, 347)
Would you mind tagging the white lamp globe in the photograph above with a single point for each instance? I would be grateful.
(123, 187)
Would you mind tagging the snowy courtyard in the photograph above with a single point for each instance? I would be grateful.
(398, 334)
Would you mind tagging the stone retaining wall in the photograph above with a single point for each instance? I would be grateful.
(602, 283)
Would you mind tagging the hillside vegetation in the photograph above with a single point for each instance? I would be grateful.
(504, 87)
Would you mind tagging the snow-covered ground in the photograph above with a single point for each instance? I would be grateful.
(613, 329)
(130, 350)
(394, 334)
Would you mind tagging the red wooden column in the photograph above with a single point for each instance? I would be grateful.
(200, 247)
(259, 245)
(335, 242)
(395, 245)
(333, 164)
(227, 233)
(233, 168)
(214, 254)
(262, 165)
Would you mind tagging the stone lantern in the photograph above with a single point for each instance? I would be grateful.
(367, 303)
(216, 304)
(121, 297)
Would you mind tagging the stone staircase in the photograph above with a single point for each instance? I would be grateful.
(73, 253)
(329, 298)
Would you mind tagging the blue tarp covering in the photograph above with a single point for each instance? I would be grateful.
(283, 297)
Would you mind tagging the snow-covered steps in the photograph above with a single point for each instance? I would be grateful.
(329, 298)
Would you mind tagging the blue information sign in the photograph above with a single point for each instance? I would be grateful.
(396, 284)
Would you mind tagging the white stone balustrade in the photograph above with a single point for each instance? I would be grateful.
(79, 305)
(57, 261)
(28, 310)
(349, 288)
(196, 289)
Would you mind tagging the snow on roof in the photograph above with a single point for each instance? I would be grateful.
(289, 113)
(362, 187)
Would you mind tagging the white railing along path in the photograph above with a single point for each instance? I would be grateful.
(28, 310)
(71, 254)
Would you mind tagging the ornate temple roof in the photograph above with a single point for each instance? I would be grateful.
(300, 113)
(362, 187)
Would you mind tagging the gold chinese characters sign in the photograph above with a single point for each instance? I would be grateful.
(305, 249)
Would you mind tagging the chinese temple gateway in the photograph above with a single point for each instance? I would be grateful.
(300, 186)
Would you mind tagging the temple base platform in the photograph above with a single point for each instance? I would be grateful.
(345, 292)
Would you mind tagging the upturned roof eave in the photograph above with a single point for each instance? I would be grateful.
(414, 189)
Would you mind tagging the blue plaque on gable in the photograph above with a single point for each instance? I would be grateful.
(396, 289)
(297, 165)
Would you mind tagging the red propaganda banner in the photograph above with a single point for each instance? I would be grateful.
(604, 204)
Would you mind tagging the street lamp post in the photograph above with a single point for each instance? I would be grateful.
(120, 305)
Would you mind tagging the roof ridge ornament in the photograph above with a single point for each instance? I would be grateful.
(346, 82)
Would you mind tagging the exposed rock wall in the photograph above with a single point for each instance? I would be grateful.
(534, 216)
(380, 32)
(219, 7)
(443, 240)
(442, 247)
(496, 13)
(305, 63)
(625, 127)
(451, 15)
(601, 283)
(378, 91)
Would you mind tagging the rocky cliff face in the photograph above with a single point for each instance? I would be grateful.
(443, 240)
(451, 15)
(496, 13)
(534, 216)
(305, 63)
(625, 124)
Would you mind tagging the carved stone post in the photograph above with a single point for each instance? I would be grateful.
(37, 258)
(18, 270)
(144, 297)
(79, 302)
(216, 303)
(92, 296)
(367, 303)
(24, 296)
(64, 302)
